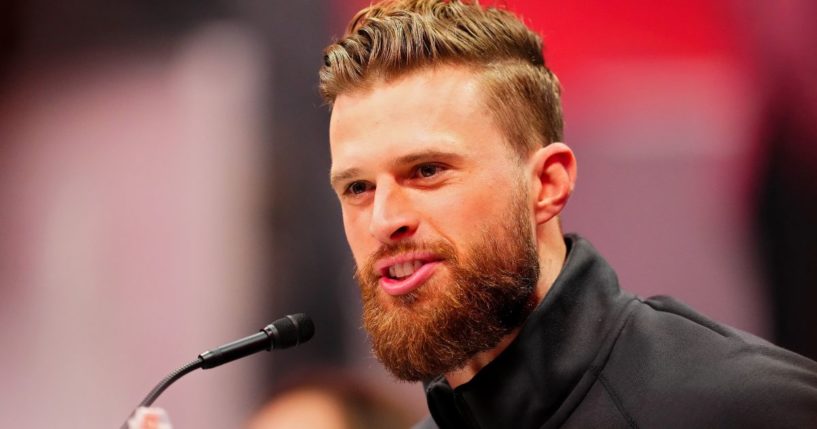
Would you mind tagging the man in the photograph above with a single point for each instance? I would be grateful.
(447, 159)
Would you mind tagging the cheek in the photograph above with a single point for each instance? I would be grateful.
(466, 218)
(467, 211)
(355, 225)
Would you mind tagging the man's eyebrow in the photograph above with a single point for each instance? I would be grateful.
(426, 155)
(340, 176)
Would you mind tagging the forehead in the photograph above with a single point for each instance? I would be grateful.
(430, 109)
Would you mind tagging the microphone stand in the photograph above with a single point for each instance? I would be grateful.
(283, 333)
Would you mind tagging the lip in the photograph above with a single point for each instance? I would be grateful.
(403, 286)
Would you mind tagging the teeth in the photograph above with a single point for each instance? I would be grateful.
(404, 269)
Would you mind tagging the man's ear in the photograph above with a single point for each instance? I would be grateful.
(554, 176)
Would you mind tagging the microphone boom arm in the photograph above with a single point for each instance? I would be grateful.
(283, 333)
(167, 381)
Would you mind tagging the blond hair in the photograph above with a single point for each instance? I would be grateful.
(395, 37)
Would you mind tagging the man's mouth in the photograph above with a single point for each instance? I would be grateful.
(403, 270)
(402, 274)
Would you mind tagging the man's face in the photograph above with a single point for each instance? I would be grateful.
(437, 214)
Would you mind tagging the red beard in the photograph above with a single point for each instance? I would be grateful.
(436, 328)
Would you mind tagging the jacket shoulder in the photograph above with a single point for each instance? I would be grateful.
(671, 364)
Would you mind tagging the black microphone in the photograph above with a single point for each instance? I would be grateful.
(283, 333)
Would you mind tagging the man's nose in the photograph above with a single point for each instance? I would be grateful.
(393, 216)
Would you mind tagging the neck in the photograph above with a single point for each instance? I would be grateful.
(552, 254)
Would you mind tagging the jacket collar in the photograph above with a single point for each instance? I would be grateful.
(527, 382)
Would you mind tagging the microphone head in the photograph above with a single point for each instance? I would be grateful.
(291, 330)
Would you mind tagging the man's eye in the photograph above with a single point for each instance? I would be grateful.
(428, 170)
(357, 188)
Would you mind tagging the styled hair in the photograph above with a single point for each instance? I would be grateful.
(396, 37)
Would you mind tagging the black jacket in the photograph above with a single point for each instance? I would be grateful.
(593, 356)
